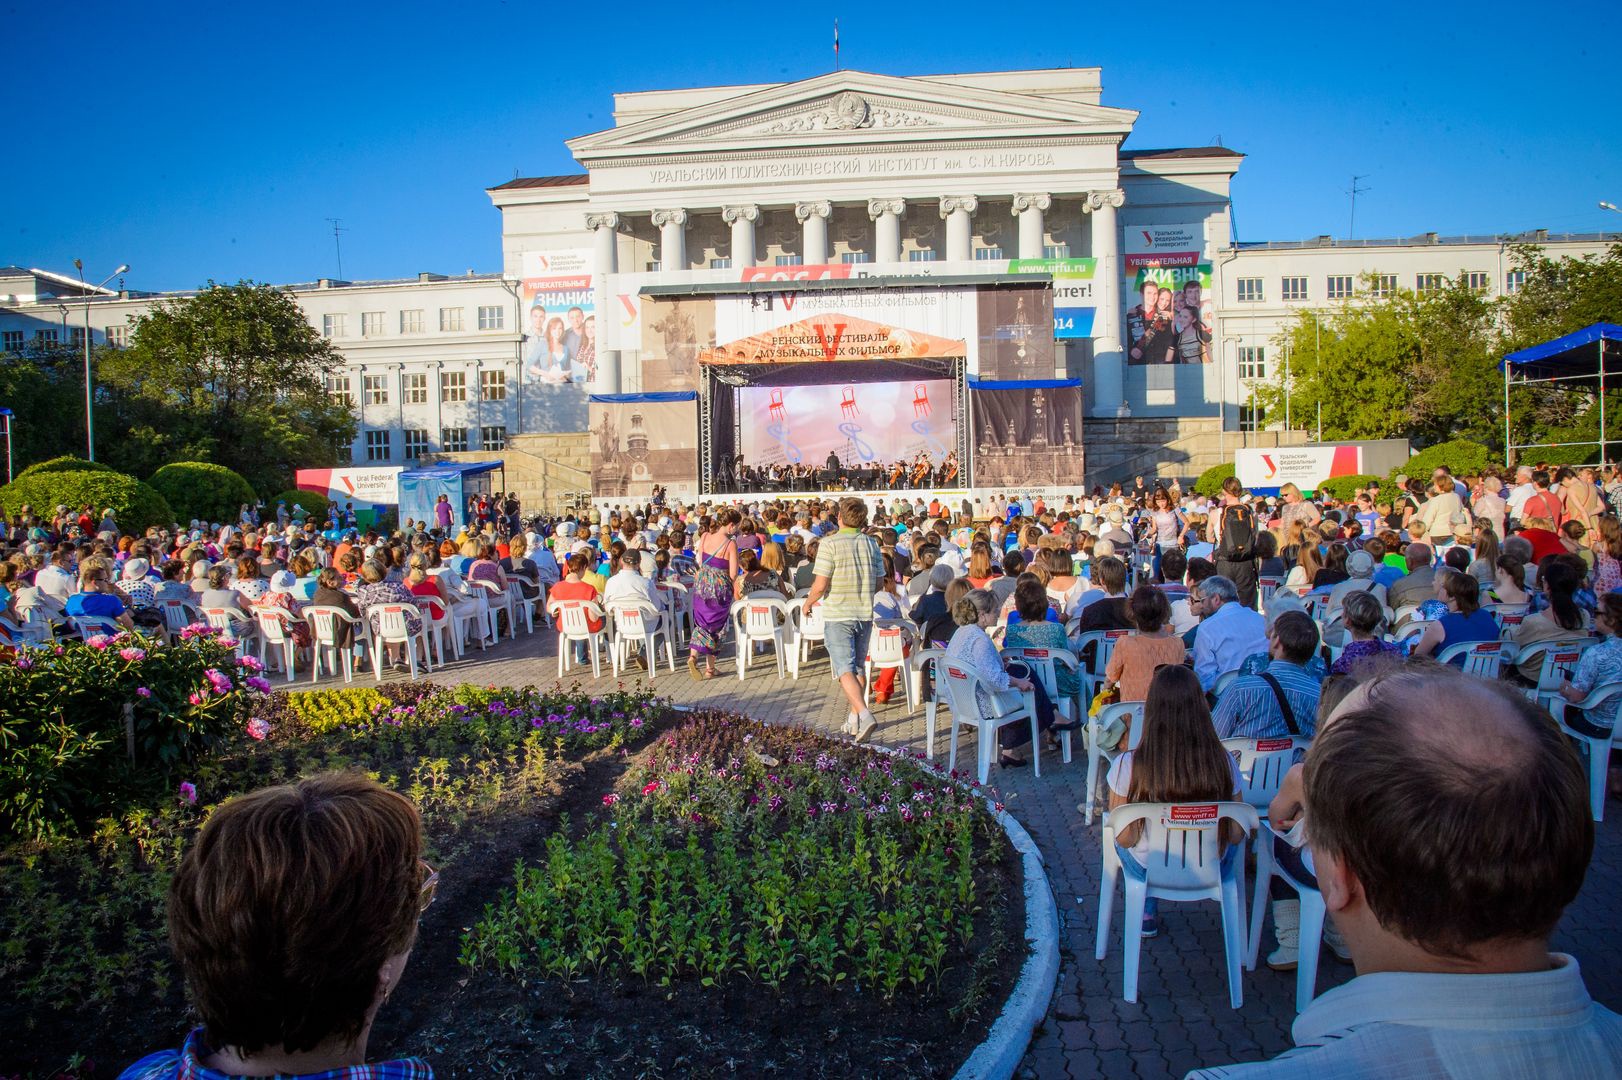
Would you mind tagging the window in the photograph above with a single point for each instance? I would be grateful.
(1514, 280)
(493, 386)
(338, 389)
(371, 324)
(334, 326)
(450, 319)
(453, 386)
(1293, 288)
(45, 335)
(1383, 286)
(1428, 283)
(1250, 290)
(377, 445)
(1055, 251)
(491, 317)
(416, 443)
(1477, 281)
(986, 254)
(377, 389)
(1338, 286)
(921, 255)
(119, 336)
(787, 260)
(1252, 362)
(492, 438)
(453, 440)
(411, 321)
(414, 390)
(1250, 418)
(12, 341)
(856, 257)
(720, 263)
(76, 337)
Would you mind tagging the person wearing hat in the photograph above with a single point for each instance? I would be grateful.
(282, 595)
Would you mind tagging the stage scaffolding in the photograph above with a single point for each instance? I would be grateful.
(1567, 363)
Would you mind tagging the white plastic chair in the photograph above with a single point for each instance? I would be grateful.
(1224, 681)
(641, 624)
(1310, 935)
(1184, 862)
(808, 630)
(573, 619)
(1558, 661)
(470, 616)
(394, 628)
(496, 601)
(236, 624)
(1597, 749)
(1045, 665)
(1103, 642)
(177, 615)
(1132, 713)
(1412, 630)
(519, 604)
(324, 622)
(275, 629)
(34, 630)
(1265, 587)
(678, 608)
(1262, 766)
(761, 617)
(889, 647)
(960, 683)
(924, 664)
(88, 626)
(1484, 659)
(1404, 613)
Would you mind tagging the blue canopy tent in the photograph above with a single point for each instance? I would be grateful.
(421, 488)
(1568, 362)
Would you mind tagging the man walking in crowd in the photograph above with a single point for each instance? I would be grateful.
(846, 575)
(1234, 536)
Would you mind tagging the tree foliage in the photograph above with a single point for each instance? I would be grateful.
(316, 505)
(1461, 456)
(65, 463)
(203, 491)
(135, 505)
(1209, 482)
(235, 374)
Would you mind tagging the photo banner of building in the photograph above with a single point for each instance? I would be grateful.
(1027, 433)
(674, 330)
(1167, 293)
(639, 441)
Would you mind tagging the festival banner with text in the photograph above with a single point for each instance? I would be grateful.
(1167, 294)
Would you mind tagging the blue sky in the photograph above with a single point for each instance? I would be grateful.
(212, 142)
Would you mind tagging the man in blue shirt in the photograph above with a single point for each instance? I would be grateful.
(1254, 706)
(97, 597)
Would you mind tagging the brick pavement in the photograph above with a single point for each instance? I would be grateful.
(1182, 1019)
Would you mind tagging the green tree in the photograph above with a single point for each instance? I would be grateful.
(234, 375)
(43, 385)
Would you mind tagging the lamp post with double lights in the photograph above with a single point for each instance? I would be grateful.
(89, 383)
(10, 418)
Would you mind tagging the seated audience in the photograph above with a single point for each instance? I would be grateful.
(1282, 699)
(1136, 657)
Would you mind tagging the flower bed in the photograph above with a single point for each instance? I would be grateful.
(623, 892)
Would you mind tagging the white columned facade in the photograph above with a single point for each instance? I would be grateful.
(813, 217)
(672, 239)
(604, 229)
(1029, 209)
(742, 219)
(886, 215)
(957, 211)
(1109, 376)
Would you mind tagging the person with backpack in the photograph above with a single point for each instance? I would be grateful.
(1233, 533)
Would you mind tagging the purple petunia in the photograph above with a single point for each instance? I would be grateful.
(141, 691)
(258, 729)
(188, 792)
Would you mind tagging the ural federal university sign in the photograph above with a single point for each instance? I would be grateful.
(1074, 302)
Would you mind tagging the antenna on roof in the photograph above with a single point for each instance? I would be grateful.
(338, 244)
(836, 44)
(1354, 192)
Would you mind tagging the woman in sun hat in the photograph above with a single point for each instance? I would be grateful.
(282, 596)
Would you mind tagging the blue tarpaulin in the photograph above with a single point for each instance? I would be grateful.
(1581, 361)
(1022, 384)
(421, 488)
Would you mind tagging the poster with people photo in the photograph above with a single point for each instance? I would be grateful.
(1169, 317)
(560, 323)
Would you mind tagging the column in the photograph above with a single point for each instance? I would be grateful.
(672, 226)
(604, 230)
(742, 219)
(814, 219)
(957, 211)
(886, 215)
(1109, 385)
(1028, 209)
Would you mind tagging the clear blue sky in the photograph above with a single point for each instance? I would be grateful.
(199, 142)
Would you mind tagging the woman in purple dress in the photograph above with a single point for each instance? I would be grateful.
(717, 556)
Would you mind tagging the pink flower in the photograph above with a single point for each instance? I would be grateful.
(98, 641)
(258, 729)
(132, 654)
(220, 681)
(248, 663)
(24, 663)
(256, 684)
(228, 642)
(197, 698)
(188, 792)
(141, 691)
(610, 799)
(650, 788)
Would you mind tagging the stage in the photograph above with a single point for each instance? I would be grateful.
(978, 497)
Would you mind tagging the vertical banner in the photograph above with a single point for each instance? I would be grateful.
(1027, 436)
(1016, 332)
(674, 330)
(1167, 293)
(1075, 303)
(559, 350)
(637, 443)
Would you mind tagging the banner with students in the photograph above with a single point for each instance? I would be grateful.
(1170, 307)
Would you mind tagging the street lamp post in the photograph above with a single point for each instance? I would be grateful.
(11, 418)
(89, 382)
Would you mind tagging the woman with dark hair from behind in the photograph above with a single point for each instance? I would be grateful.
(1559, 578)
(292, 917)
(1179, 759)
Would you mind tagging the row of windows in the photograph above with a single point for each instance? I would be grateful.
(452, 440)
(414, 387)
(1340, 286)
(16, 340)
(490, 316)
(985, 254)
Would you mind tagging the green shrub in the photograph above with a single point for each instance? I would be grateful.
(203, 491)
(135, 505)
(1461, 456)
(1210, 482)
(314, 503)
(1345, 487)
(65, 463)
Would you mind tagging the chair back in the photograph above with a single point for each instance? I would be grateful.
(1184, 841)
(1103, 642)
(177, 615)
(634, 618)
(1406, 611)
(1559, 661)
(1224, 681)
(807, 623)
(889, 642)
(1481, 658)
(89, 626)
(1509, 620)
(391, 622)
(223, 619)
(1044, 664)
(1411, 631)
(272, 623)
(760, 615)
(1262, 765)
(324, 622)
(574, 617)
(1132, 713)
(960, 682)
(1267, 586)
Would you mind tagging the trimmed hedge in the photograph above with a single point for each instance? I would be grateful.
(315, 504)
(1461, 456)
(1210, 482)
(202, 491)
(65, 463)
(1345, 488)
(135, 505)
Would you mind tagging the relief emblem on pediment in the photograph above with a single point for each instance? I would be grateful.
(849, 112)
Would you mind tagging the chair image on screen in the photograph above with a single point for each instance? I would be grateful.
(847, 402)
(920, 400)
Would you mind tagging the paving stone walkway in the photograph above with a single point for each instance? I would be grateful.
(1181, 1019)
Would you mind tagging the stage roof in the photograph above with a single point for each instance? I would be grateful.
(1576, 355)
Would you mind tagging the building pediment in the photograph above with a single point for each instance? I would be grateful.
(852, 107)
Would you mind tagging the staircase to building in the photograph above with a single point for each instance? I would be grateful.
(1166, 447)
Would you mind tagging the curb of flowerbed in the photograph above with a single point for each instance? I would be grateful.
(1004, 1047)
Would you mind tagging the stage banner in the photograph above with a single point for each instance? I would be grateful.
(1167, 291)
(1265, 471)
(559, 349)
(639, 441)
(370, 490)
(1016, 336)
(1074, 299)
(1027, 435)
(674, 331)
(856, 324)
(891, 423)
